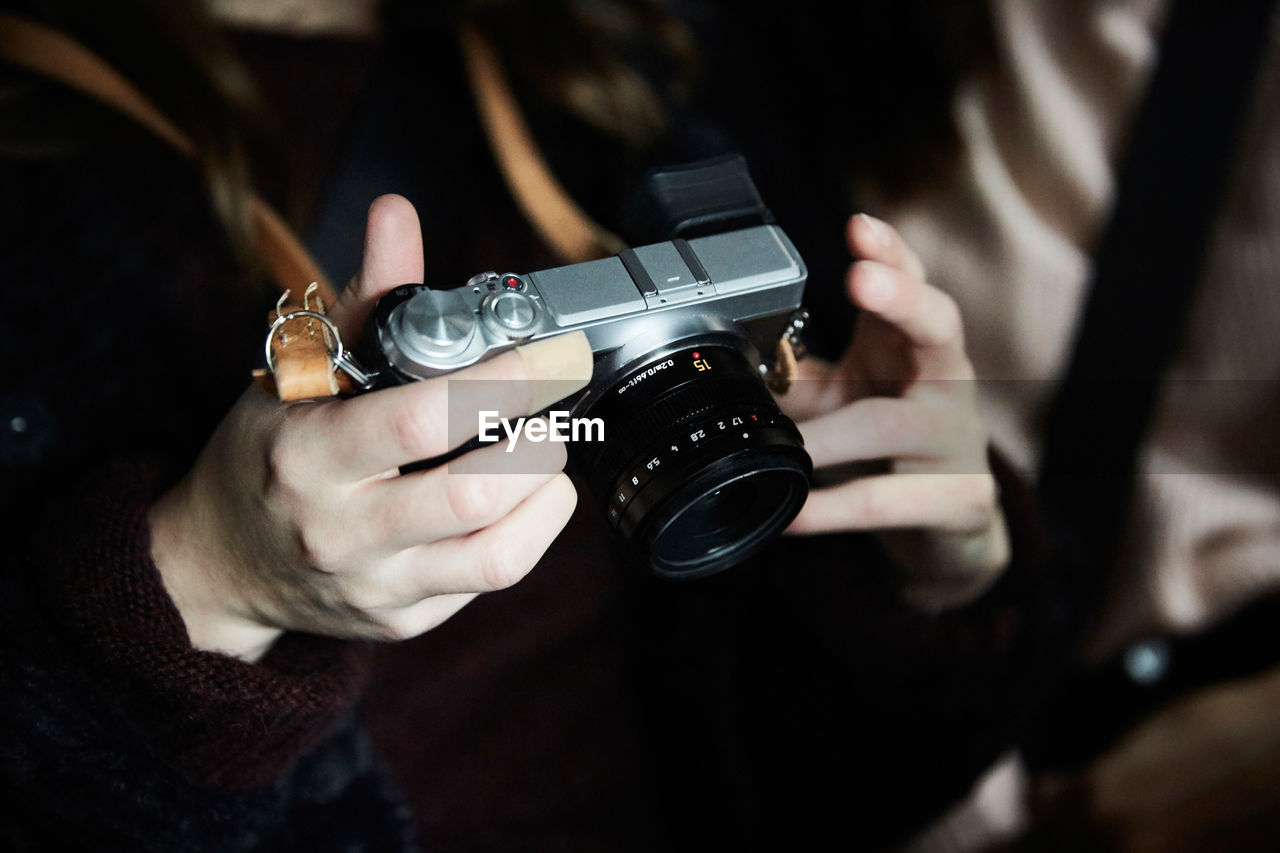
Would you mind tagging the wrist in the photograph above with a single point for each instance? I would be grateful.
(192, 563)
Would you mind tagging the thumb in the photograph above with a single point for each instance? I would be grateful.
(392, 257)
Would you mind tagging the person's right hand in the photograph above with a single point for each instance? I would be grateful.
(295, 516)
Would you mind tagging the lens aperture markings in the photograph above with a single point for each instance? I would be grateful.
(683, 451)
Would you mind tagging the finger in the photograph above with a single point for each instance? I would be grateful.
(379, 432)
(951, 502)
(407, 622)
(928, 318)
(423, 507)
(392, 257)
(816, 389)
(493, 558)
(876, 240)
(886, 428)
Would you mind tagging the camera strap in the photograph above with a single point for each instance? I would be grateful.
(55, 55)
(562, 223)
(559, 221)
(1151, 257)
(1146, 270)
(304, 355)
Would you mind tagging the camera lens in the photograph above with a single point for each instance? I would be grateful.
(699, 467)
(728, 524)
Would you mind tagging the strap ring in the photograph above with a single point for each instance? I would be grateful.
(336, 355)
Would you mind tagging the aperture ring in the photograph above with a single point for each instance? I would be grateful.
(686, 403)
(686, 449)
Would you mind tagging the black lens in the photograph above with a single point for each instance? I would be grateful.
(721, 528)
(699, 468)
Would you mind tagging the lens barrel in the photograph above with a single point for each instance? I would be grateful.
(699, 467)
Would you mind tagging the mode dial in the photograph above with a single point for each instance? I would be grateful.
(434, 323)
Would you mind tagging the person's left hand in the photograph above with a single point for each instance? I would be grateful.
(903, 393)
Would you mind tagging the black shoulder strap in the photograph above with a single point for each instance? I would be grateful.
(1152, 254)
(1149, 262)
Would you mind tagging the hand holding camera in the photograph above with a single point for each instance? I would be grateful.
(296, 517)
(300, 518)
(693, 464)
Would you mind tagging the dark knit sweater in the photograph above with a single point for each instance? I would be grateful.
(115, 730)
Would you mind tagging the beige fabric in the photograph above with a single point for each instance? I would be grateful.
(1011, 238)
(345, 18)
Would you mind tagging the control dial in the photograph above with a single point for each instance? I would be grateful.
(435, 323)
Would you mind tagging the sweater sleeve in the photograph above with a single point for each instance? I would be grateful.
(223, 722)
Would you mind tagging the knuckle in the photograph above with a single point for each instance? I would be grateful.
(980, 498)
(959, 429)
(891, 420)
(355, 294)
(316, 548)
(949, 327)
(510, 369)
(285, 470)
(395, 524)
(364, 600)
(473, 500)
(908, 428)
(502, 565)
(881, 427)
(415, 431)
(964, 369)
(369, 595)
(399, 626)
(569, 502)
(871, 507)
(551, 455)
(912, 263)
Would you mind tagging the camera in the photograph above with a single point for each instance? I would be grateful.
(698, 468)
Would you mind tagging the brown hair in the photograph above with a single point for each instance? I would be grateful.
(579, 56)
(584, 57)
(868, 86)
(173, 52)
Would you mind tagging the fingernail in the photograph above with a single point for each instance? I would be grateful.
(557, 366)
(878, 230)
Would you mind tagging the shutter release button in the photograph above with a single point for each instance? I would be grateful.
(514, 311)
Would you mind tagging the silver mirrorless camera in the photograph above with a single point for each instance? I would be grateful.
(698, 467)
